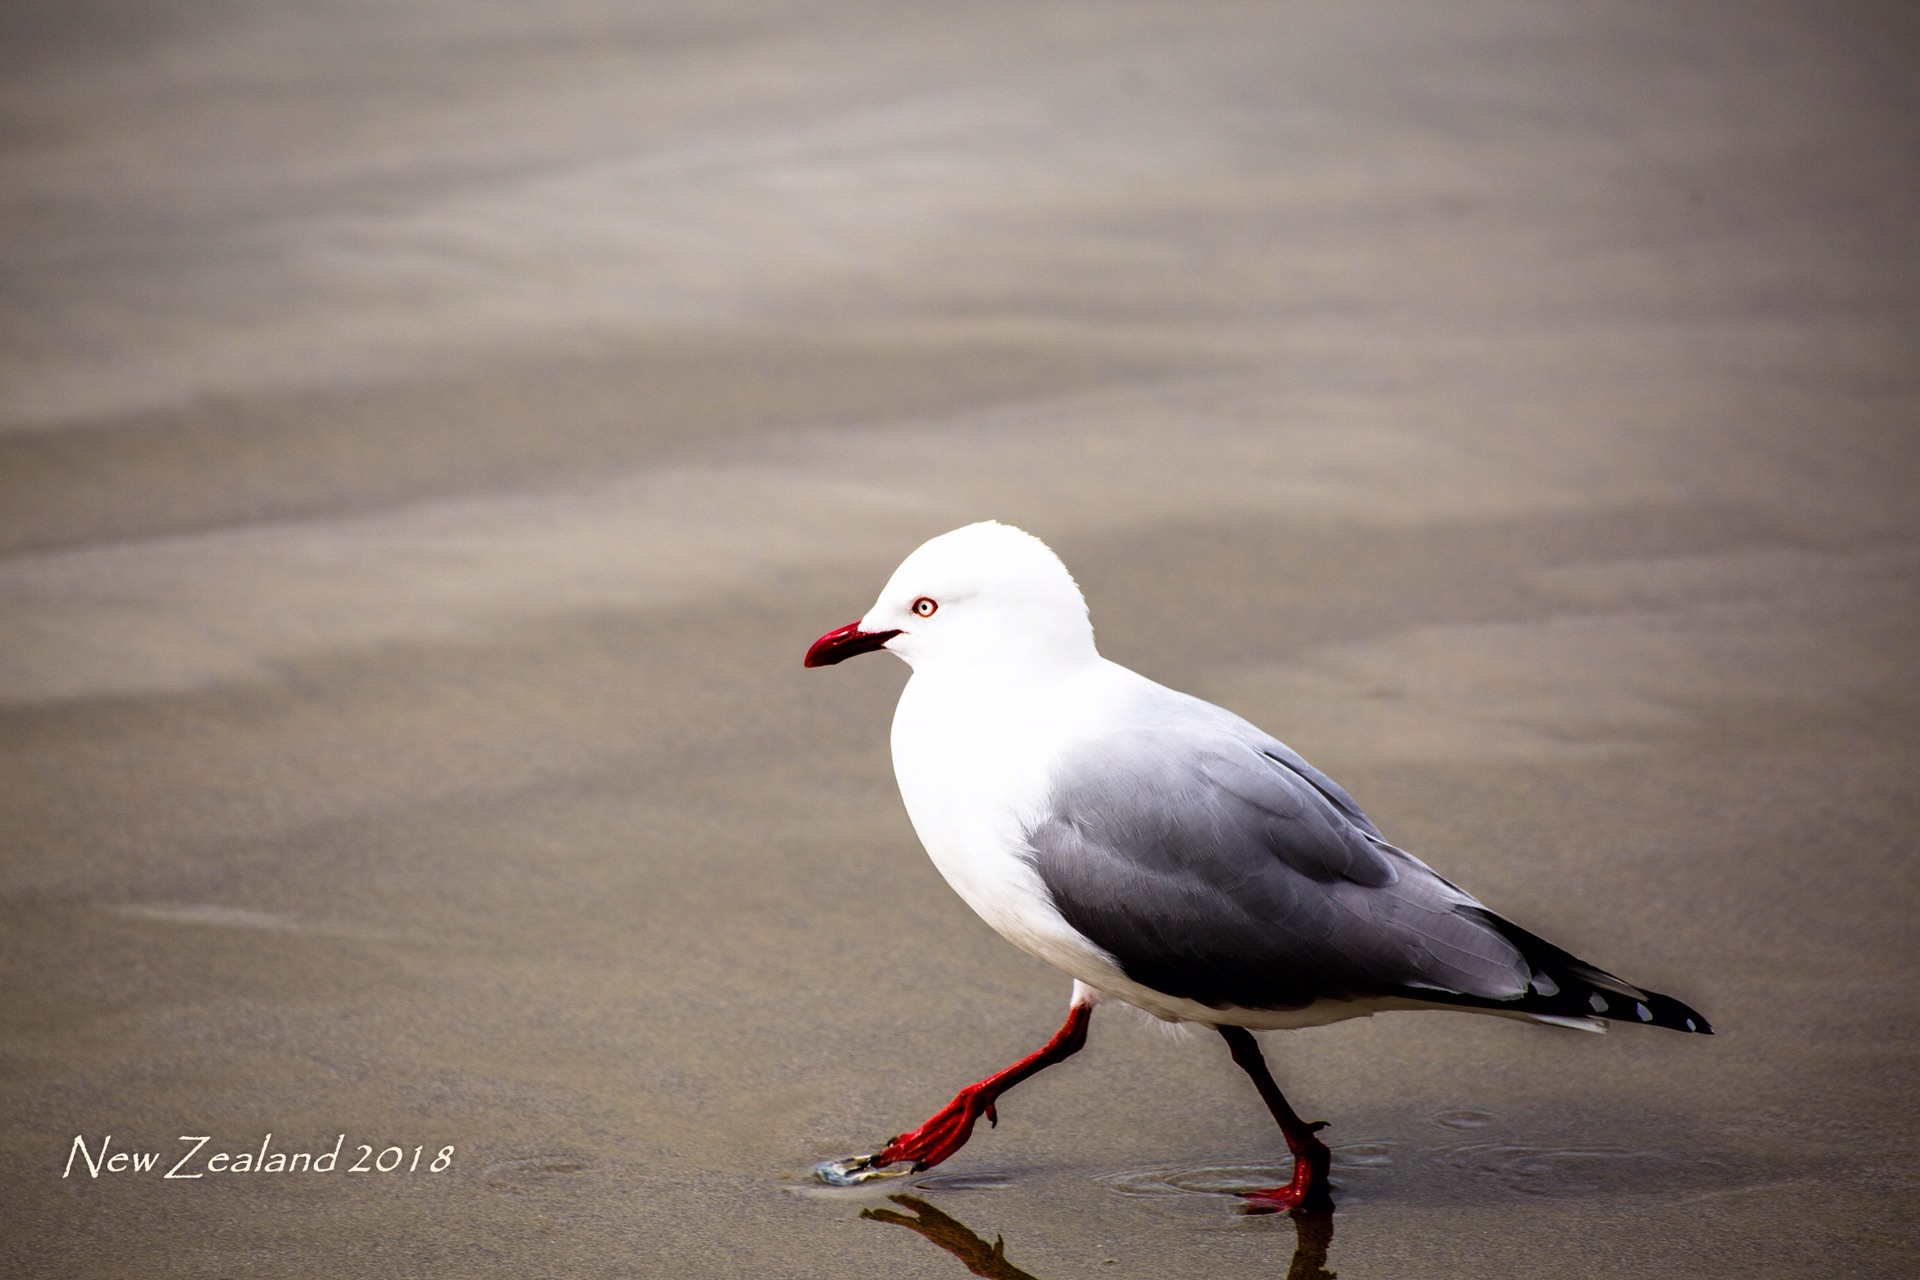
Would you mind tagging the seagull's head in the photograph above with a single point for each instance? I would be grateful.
(985, 595)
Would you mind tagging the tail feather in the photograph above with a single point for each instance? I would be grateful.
(1567, 990)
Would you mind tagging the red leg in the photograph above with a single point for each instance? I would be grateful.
(1309, 1188)
(952, 1125)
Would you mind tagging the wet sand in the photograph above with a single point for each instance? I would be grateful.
(430, 435)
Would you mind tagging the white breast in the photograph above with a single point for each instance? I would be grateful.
(973, 758)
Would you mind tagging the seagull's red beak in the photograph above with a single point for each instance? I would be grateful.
(838, 646)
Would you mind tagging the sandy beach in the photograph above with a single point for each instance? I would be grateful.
(430, 435)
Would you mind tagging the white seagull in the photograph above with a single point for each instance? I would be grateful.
(1164, 852)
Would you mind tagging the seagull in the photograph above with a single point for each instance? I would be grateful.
(1165, 853)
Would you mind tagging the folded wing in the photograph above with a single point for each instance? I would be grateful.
(1217, 866)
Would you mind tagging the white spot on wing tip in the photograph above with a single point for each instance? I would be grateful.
(1597, 1002)
(1645, 1014)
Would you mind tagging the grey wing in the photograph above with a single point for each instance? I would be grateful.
(1216, 865)
(1278, 751)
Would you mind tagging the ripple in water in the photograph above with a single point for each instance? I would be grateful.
(980, 1181)
(1548, 1171)
(1363, 1155)
(1206, 1180)
(1352, 1161)
(535, 1173)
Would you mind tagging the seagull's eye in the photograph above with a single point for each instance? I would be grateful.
(924, 607)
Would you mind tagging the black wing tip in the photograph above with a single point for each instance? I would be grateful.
(1581, 990)
(1675, 1016)
(1648, 1007)
(1577, 1001)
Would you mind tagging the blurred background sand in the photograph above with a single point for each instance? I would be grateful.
(430, 433)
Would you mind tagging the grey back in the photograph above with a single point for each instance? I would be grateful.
(1217, 865)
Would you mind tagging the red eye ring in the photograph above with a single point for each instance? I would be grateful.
(924, 607)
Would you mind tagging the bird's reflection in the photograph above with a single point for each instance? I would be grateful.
(1313, 1236)
(954, 1236)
